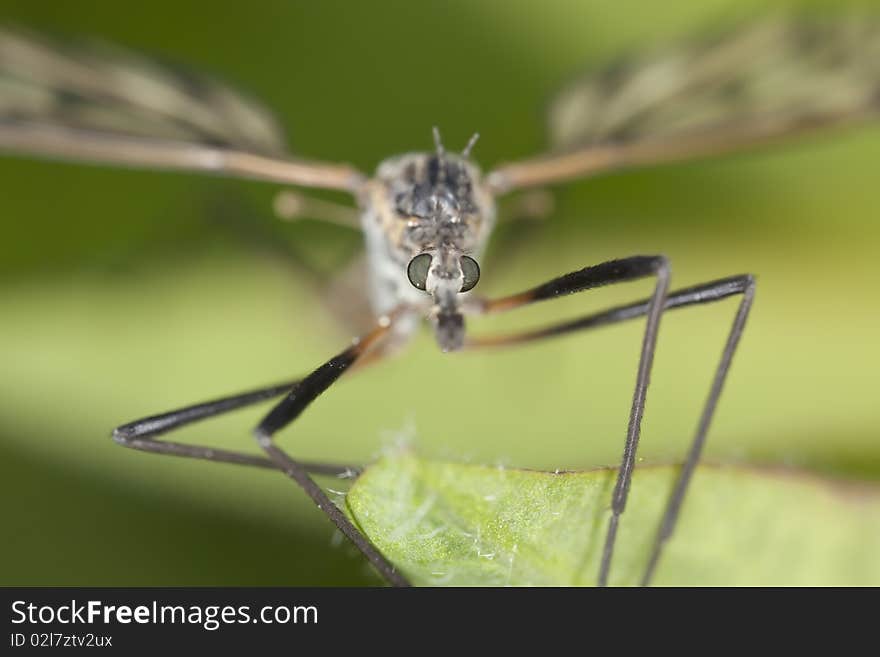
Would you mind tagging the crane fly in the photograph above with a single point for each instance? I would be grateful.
(427, 216)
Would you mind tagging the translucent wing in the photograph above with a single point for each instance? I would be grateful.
(766, 81)
(103, 104)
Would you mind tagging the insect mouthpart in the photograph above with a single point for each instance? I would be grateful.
(444, 284)
(449, 330)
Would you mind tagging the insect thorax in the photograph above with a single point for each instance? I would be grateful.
(420, 202)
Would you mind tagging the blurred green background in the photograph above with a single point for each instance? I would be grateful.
(128, 293)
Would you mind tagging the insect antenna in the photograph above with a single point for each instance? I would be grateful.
(441, 155)
(466, 153)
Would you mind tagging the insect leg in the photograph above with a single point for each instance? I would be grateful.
(142, 434)
(292, 205)
(532, 205)
(290, 408)
(743, 284)
(673, 506)
(614, 271)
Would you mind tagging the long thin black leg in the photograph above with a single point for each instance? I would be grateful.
(689, 296)
(673, 506)
(607, 273)
(743, 284)
(637, 410)
(141, 434)
(290, 408)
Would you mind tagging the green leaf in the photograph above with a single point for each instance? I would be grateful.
(454, 524)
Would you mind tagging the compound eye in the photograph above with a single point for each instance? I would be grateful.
(471, 271)
(417, 270)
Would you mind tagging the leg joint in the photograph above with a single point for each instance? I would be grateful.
(123, 435)
(263, 437)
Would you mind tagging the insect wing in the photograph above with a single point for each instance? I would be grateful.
(765, 81)
(104, 104)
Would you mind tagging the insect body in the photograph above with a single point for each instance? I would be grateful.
(426, 220)
(426, 217)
